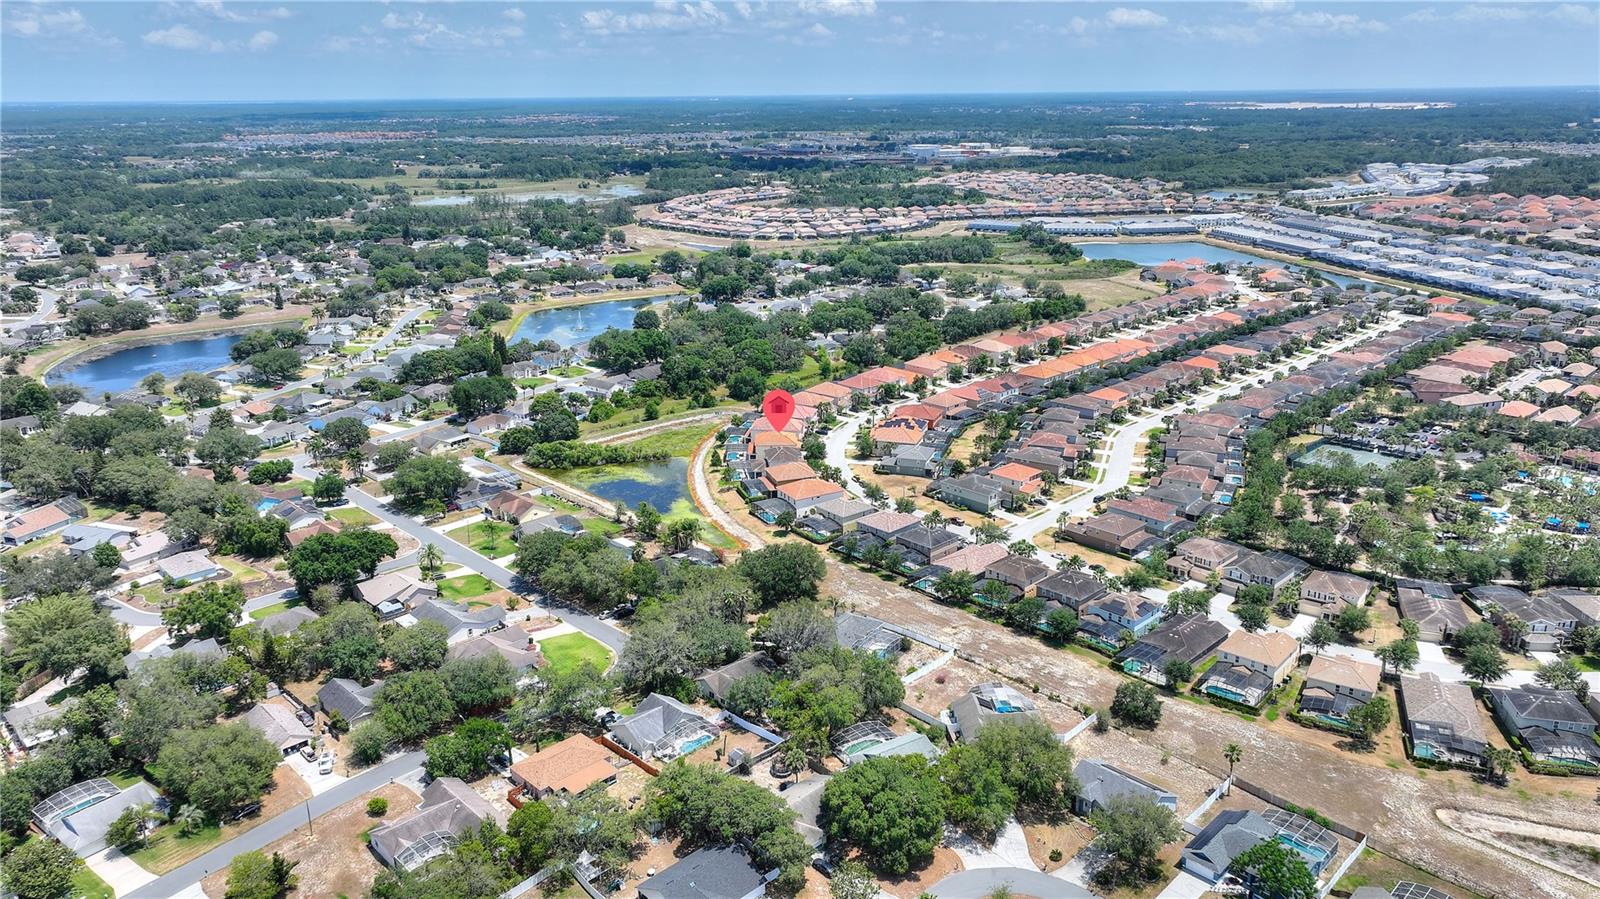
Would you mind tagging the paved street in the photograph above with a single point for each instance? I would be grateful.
(459, 554)
(271, 830)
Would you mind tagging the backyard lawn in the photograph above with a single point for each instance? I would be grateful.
(491, 538)
(466, 587)
(568, 651)
(167, 849)
(350, 516)
(275, 608)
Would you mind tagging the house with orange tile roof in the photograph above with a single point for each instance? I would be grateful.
(569, 768)
(803, 495)
(893, 432)
(1519, 409)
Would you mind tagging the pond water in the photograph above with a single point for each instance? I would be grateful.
(1327, 453)
(1146, 254)
(575, 324)
(664, 485)
(126, 368)
(614, 192)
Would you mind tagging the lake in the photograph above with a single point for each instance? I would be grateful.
(1147, 254)
(664, 485)
(575, 324)
(614, 192)
(126, 368)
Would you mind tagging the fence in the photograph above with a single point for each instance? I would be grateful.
(1080, 727)
(623, 751)
(1271, 798)
(1190, 824)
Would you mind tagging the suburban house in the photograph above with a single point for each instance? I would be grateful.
(725, 873)
(1191, 638)
(1114, 533)
(43, 521)
(391, 594)
(1100, 781)
(1200, 557)
(1550, 621)
(1103, 622)
(988, 704)
(1250, 666)
(663, 728)
(1271, 569)
(279, 724)
(193, 566)
(714, 684)
(1324, 594)
(1435, 608)
(449, 807)
(1234, 832)
(1442, 721)
(510, 643)
(1553, 724)
(568, 768)
(81, 815)
(458, 619)
(349, 699)
(977, 492)
(1335, 686)
(1070, 589)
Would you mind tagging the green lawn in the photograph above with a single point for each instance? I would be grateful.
(605, 527)
(167, 849)
(275, 608)
(466, 587)
(351, 516)
(533, 382)
(491, 538)
(87, 885)
(568, 651)
(676, 442)
(124, 777)
(569, 371)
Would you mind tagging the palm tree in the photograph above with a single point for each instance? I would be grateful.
(430, 559)
(1233, 752)
(189, 818)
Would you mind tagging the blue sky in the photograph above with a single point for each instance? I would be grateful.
(121, 51)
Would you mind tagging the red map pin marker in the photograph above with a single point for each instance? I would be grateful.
(778, 407)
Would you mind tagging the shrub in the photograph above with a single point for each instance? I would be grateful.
(378, 807)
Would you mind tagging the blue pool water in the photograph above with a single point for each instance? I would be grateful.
(691, 745)
(126, 368)
(575, 324)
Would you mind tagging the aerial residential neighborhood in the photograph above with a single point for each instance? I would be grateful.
(821, 450)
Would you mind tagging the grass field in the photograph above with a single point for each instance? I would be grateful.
(466, 587)
(568, 651)
(167, 849)
(87, 885)
(275, 608)
(1376, 869)
(491, 538)
(350, 516)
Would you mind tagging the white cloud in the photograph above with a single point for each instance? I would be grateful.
(182, 37)
(839, 7)
(515, 14)
(262, 40)
(1576, 14)
(818, 31)
(665, 15)
(1123, 17)
(1270, 6)
(425, 32)
(38, 20)
(1335, 23)
(228, 12)
(1487, 14)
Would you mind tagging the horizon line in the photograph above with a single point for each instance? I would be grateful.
(1152, 92)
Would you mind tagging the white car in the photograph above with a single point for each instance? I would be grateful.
(325, 764)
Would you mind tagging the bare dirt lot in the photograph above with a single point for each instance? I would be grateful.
(1396, 806)
(335, 860)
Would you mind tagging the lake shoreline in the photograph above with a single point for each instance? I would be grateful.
(102, 347)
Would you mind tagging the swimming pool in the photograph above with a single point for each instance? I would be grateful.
(689, 746)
